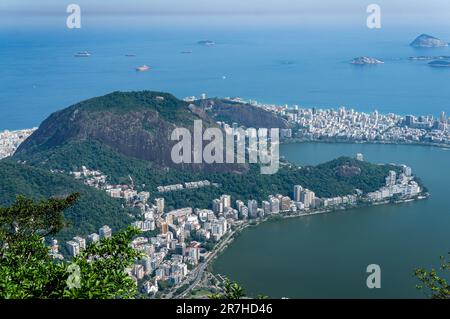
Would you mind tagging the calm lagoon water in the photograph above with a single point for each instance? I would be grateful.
(326, 256)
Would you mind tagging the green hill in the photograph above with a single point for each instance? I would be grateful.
(338, 177)
(125, 134)
(93, 210)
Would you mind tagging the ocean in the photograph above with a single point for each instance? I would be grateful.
(292, 64)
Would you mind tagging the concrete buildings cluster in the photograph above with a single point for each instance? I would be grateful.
(78, 243)
(10, 141)
(187, 185)
(350, 125)
(402, 186)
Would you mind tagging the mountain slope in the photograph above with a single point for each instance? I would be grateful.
(93, 210)
(135, 124)
(244, 114)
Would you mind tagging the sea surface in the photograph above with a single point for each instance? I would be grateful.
(326, 256)
(294, 64)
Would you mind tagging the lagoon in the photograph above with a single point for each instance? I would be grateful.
(325, 256)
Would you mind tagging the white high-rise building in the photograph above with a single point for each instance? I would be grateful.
(239, 205)
(226, 201)
(105, 232)
(253, 208)
(407, 171)
(274, 205)
(391, 178)
(297, 192)
(160, 205)
(73, 247)
(307, 198)
(81, 242)
(93, 238)
(217, 206)
(266, 207)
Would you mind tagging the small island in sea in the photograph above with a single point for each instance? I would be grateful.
(206, 42)
(439, 64)
(428, 41)
(364, 60)
(429, 57)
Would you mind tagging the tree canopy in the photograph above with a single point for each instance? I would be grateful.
(28, 271)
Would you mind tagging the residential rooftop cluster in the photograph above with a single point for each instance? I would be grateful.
(350, 125)
(403, 186)
(187, 185)
(10, 141)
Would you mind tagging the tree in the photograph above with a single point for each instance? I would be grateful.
(25, 218)
(231, 290)
(434, 285)
(27, 270)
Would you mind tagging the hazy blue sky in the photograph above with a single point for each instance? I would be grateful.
(395, 11)
(234, 6)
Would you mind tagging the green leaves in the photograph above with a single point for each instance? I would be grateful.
(433, 284)
(27, 270)
(231, 290)
(27, 218)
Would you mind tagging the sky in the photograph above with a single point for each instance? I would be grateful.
(398, 11)
(227, 6)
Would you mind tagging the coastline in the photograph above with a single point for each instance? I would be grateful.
(208, 265)
(337, 141)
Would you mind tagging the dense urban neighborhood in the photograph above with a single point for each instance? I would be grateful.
(315, 124)
(177, 245)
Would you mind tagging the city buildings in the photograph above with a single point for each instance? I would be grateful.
(10, 141)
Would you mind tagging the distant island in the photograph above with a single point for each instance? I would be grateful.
(365, 60)
(439, 64)
(428, 41)
(429, 57)
(206, 42)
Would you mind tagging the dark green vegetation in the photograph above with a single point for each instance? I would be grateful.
(27, 270)
(96, 209)
(232, 290)
(93, 210)
(327, 179)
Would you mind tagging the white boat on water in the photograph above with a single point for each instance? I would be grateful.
(82, 54)
(143, 68)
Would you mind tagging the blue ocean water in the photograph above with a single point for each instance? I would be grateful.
(287, 65)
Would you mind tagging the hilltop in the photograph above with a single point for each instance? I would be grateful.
(428, 41)
(139, 125)
(93, 210)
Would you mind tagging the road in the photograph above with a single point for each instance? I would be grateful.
(199, 271)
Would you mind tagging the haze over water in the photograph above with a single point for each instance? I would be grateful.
(278, 63)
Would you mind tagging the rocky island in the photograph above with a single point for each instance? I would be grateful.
(206, 42)
(425, 58)
(428, 41)
(364, 60)
(439, 64)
